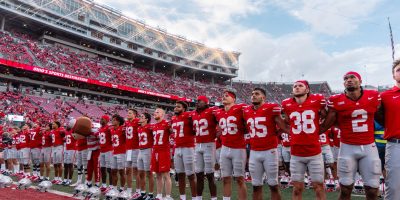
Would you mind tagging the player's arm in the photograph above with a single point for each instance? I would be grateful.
(331, 134)
(218, 131)
(284, 126)
(192, 129)
(329, 121)
(323, 113)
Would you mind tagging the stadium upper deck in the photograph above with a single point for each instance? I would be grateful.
(99, 27)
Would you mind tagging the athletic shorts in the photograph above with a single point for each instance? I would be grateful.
(392, 165)
(69, 156)
(218, 155)
(5, 152)
(184, 160)
(286, 154)
(335, 152)
(144, 158)
(57, 154)
(233, 162)
(24, 155)
(118, 161)
(327, 154)
(45, 155)
(105, 159)
(279, 149)
(19, 156)
(131, 158)
(35, 156)
(160, 161)
(10, 154)
(314, 164)
(362, 158)
(205, 157)
(82, 158)
(261, 162)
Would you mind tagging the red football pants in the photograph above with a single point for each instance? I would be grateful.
(94, 166)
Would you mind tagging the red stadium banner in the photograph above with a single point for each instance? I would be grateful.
(87, 80)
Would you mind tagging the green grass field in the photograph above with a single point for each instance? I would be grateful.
(286, 193)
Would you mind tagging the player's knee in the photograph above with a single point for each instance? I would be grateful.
(372, 183)
(297, 190)
(346, 181)
(240, 180)
(371, 193)
(318, 186)
(317, 178)
(272, 182)
(297, 177)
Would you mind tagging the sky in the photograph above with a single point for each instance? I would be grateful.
(285, 40)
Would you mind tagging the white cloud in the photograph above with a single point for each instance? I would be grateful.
(331, 17)
(264, 57)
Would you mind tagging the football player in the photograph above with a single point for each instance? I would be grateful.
(389, 116)
(184, 135)
(233, 150)
(304, 111)
(354, 112)
(262, 118)
(145, 145)
(161, 156)
(204, 124)
(132, 151)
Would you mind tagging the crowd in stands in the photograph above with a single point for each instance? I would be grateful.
(22, 48)
(63, 59)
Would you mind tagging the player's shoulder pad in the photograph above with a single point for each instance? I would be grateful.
(285, 101)
(334, 97)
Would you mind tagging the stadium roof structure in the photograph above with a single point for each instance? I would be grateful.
(105, 24)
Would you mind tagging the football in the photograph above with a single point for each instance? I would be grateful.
(81, 127)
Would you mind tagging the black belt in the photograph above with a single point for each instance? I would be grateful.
(394, 140)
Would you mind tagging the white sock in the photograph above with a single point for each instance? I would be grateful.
(16, 168)
(104, 185)
(199, 197)
(129, 190)
(182, 197)
(138, 191)
(159, 196)
(168, 196)
(226, 198)
(3, 166)
(214, 198)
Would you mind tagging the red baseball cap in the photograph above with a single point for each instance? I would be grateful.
(105, 117)
(203, 98)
